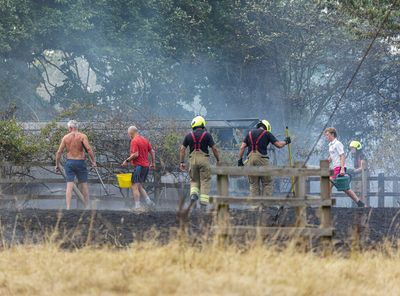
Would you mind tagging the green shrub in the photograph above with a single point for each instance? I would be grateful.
(15, 145)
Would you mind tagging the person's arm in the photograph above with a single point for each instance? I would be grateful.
(89, 150)
(241, 153)
(182, 151)
(279, 144)
(216, 153)
(361, 165)
(59, 153)
(342, 162)
(134, 154)
(242, 149)
(213, 146)
(340, 150)
(131, 157)
(153, 158)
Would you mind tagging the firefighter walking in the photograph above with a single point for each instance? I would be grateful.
(337, 158)
(360, 163)
(357, 153)
(199, 140)
(257, 141)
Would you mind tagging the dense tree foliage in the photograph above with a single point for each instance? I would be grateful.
(288, 61)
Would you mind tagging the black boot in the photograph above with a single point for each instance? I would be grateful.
(194, 197)
(360, 204)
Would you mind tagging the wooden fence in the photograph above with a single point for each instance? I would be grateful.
(362, 183)
(300, 200)
(11, 177)
(386, 186)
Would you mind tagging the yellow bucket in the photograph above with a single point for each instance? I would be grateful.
(124, 180)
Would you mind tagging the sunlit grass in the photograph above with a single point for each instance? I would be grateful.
(175, 268)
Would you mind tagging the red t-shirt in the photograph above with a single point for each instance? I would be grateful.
(143, 146)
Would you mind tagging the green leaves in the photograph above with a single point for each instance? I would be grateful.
(282, 59)
(14, 144)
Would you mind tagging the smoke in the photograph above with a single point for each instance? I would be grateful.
(195, 107)
(283, 63)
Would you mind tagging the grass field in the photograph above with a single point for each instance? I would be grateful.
(176, 269)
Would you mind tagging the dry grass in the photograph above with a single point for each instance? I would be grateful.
(147, 269)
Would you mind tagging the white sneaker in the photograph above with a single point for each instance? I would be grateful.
(150, 203)
(137, 208)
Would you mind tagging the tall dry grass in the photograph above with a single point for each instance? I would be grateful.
(177, 269)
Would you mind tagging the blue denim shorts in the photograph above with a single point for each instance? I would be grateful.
(78, 168)
(139, 175)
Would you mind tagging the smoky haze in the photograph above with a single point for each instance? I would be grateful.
(284, 61)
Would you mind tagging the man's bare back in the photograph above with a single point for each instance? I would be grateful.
(73, 143)
(76, 145)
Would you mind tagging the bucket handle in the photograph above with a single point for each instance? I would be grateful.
(350, 176)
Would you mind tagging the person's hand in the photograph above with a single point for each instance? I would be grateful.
(94, 164)
(152, 166)
(240, 162)
(218, 163)
(182, 166)
(351, 171)
(125, 163)
(288, 140)
(57, 169)
(342, 172)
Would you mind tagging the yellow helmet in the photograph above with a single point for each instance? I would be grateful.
(355, 144)
(265, 123)
(198, 121)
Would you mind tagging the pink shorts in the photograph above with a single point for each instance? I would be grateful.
(336, 172)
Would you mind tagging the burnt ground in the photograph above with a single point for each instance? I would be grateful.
(77, 228)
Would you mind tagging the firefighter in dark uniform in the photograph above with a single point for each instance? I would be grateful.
(257, 141)
(199, 140)
(360, 162)
(358, 156)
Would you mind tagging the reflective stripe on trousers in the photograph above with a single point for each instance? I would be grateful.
(200, 175)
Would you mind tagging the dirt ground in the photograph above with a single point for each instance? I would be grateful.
(77, 228)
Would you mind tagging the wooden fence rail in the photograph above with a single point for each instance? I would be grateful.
(11, 176)
(364, 190)
(299, 201)
(386, 186)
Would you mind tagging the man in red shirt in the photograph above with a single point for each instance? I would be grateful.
(139, 157)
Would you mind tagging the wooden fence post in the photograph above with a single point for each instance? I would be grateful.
(222, 218)
(326, 218)
(300, 212)
(2, 175)
(308, 186)
(381, 190)
(300, 192)
(396, 190)
(156, 185)
(364, 183)
(6, 170)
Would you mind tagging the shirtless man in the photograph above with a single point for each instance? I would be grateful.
(76, 144)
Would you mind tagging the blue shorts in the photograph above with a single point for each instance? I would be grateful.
(139, 175)
(76, 167)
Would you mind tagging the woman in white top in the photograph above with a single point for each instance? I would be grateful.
(337, 158)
